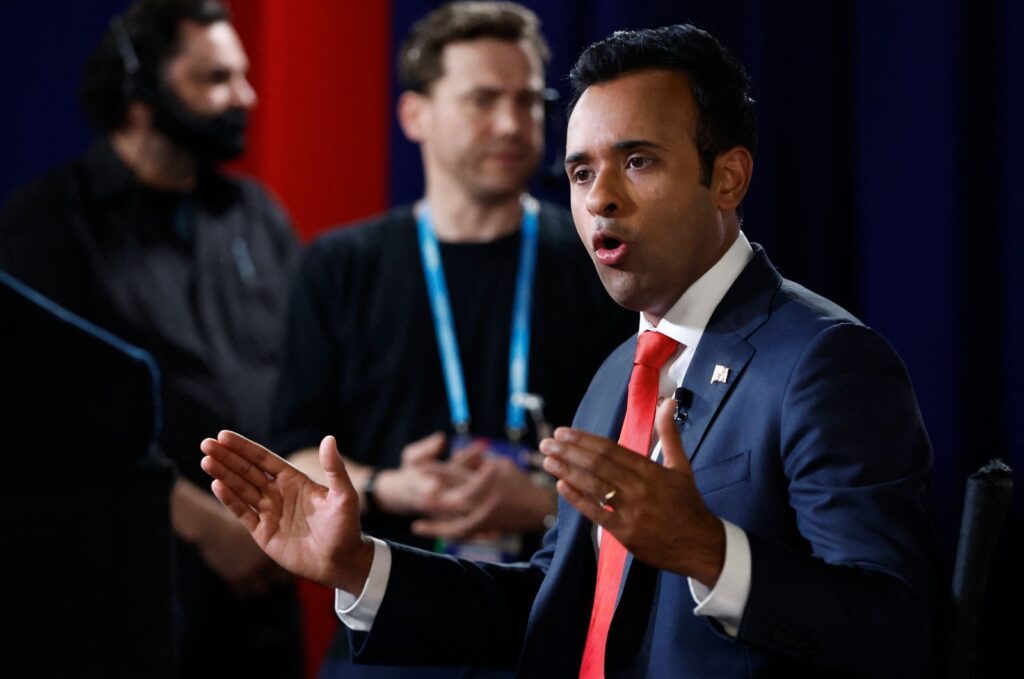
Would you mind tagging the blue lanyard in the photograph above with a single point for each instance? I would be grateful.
(444, 327)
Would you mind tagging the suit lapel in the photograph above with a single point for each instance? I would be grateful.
(743, 309)
(727, 351)
(724, 352)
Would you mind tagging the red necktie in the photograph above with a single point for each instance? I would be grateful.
(652, 350)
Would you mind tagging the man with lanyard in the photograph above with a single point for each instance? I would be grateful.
(498, 276)
(145, 238)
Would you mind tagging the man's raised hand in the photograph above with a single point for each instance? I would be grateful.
(311, 530)
(655, 511)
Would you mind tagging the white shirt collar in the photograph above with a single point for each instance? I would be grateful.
(686, 320)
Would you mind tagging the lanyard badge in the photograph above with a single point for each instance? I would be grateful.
(507, 547)
(444, 326)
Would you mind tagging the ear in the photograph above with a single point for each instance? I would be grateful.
(413, 111)
(730, 178)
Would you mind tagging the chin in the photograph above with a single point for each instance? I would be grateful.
(626, 296)
(499, 193)
(505, 182)
(627, 292)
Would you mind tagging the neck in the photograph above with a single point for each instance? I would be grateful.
(458, 218)
(154, 160)
(652, 319)
(730, 233)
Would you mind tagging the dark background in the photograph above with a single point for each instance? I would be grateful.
(887, 178)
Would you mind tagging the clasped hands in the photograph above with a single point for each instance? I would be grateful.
(470, 494)
(314, 531)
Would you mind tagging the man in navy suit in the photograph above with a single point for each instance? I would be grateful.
(776, 523)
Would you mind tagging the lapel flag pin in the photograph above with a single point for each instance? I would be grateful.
(721, 374)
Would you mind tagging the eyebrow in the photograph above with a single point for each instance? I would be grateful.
(625, 145)
(498, 90)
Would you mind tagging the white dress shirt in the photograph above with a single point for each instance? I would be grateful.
(685, 322)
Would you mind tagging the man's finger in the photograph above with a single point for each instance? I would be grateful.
(470, 457)
(446, 475)
(668, 433)
(337, 478)
(239, 485)
(463, 498)
(580, 480)
(426, 449)
(242, 511)
(454, 528)
(599, 456)
(587, 507)
(234, 462)
(253, 452)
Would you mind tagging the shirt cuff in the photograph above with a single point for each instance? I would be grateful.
(358, 613)
(727, 601)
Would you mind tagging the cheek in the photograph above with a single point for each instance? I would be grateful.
(206, 100)
(451, 123)
(218, 98)
(580, 216)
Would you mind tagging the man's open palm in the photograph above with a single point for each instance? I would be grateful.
(311, 530)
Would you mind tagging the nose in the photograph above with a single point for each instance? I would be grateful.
(508, 119)
(242, 93)
(605, 197)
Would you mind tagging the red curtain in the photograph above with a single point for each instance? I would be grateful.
(319, 134)
(319, 141)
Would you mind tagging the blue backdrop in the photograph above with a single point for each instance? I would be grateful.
(887, 179)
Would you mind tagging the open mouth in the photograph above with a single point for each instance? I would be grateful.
(609, 250)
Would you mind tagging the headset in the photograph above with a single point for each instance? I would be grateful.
(132, 86)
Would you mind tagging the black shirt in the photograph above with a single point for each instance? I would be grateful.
(361, 359)
(197, 279)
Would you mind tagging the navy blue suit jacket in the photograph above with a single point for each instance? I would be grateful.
(814, 446)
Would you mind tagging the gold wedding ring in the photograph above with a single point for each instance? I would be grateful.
(608, 497)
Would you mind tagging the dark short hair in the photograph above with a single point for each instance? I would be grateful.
(152, 30)
(419, 58)
(720, 86)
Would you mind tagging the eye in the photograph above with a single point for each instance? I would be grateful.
(215, 76)
(581, 175)
(638, 162)
(528, 100)
(482, 99)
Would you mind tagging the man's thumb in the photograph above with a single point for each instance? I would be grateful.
(334, 467)
(668, 434)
